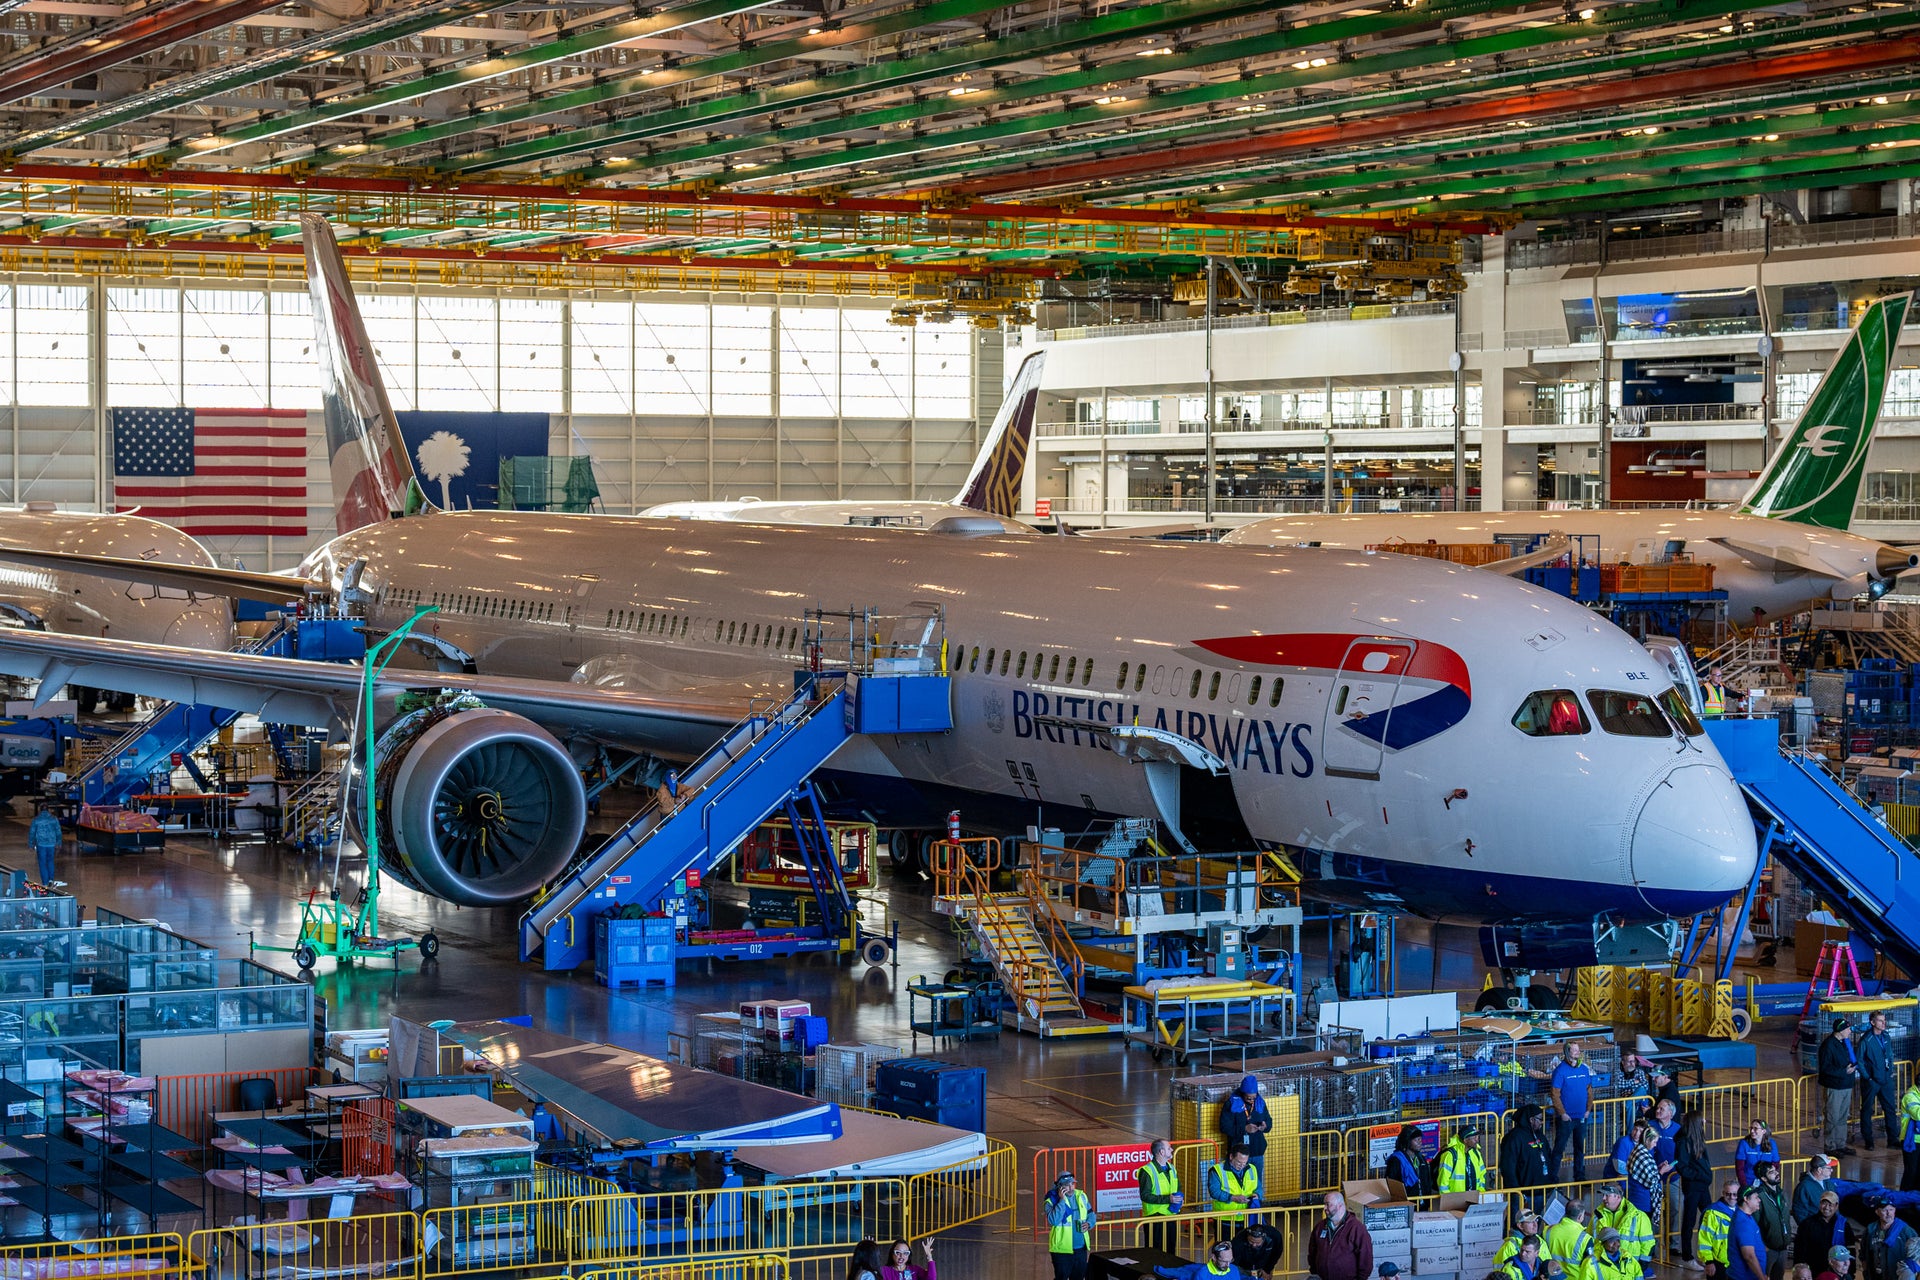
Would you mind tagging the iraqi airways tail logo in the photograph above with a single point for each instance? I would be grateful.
(1825, 441)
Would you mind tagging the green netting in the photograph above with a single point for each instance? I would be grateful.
(547, 484)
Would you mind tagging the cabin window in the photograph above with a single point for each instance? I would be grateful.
(1160, 674)
(1071, 662)
(1273, 699)
(1086, 674)
(990, 660)
(1193, 689)
(1005, 658)
(1021, 670)
(1253, 692)
(733, 632)
(1053, 668)
(609, 619)
(719, 631)
(1627, 715)
(1233, 687)
(1551, 713)
(973, 663)
(755, 642)
(1213, 686)
(1140, 678)
(1121, 683)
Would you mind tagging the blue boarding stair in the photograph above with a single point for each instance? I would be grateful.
(877, 679)
(1834, 843)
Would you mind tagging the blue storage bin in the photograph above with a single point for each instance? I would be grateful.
(928, 1089)
(633, 952)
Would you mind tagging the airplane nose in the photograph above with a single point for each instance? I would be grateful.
(1693, 836)
(203, 626)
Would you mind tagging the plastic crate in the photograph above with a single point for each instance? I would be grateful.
(634, 952)
(928, 1089)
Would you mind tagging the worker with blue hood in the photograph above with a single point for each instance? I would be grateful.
(1244, 1121)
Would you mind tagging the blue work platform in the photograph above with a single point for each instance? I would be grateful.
(1828, 838)
(751, 773)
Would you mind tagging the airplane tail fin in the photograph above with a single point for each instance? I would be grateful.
(372, 476)
(1815, 475)
(993, 486)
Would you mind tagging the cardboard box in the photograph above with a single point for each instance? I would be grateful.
(1477, 1259)
(1435, 1258)
(1379, 1203)
(1481, 1224)
(1392, 1244)
(1436, 1228)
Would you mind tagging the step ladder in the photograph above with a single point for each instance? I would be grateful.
(311, 818)
(1833, 954)
(1007, 937)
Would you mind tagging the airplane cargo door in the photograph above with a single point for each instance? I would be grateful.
(1361, 705)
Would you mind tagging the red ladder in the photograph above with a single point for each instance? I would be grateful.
(1834, 953)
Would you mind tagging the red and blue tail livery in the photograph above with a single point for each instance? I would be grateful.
(1391, 691)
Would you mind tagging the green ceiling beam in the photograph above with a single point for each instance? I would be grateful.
(661, 22)
(1880, 172)
(1290, 41)
(182, 91)
(1856, 165)
(1168, 15)
(602, 92)
(1526, 77)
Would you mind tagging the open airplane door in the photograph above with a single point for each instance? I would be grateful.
(1360, 708)
(1166, 757)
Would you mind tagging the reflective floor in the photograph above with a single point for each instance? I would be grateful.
(1040, 1094)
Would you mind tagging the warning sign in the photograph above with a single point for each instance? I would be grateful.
(1114, 1185)
(1381, 1137)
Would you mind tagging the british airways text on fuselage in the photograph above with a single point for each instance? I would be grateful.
(1245, 743)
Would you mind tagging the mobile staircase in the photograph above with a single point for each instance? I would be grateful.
(880, 675)
(1837, 845)
(1030, 952)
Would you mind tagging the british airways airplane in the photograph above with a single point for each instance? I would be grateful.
(1416, 735)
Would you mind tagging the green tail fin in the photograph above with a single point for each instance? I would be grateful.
(1815, 476)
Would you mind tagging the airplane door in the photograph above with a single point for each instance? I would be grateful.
(1361, 705)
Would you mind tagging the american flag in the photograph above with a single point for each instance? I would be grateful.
(214, 472)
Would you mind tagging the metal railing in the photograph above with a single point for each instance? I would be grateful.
(149, 1256)
(1586, 250)
(182, 1103)
(968, 1191)
(1262, 320)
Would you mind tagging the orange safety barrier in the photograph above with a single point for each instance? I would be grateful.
(366, 1137)
(1190, 1156)
(182, 1103)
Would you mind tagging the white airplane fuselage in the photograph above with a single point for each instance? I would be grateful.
(84, 604)
(1362, 704)
(830, 512)
(1815, 565)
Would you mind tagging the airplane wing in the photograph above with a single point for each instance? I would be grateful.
(272, 588)
(1550, 550)
(291, 691)
(1147, 531)
(1778, 559)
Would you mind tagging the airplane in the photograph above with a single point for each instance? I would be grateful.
(1389, 722)
(1784, 550)
(992, 488)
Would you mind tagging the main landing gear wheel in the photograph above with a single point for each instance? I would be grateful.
(876, 952)
(1495, 998)
(305, 957)
(429, 945)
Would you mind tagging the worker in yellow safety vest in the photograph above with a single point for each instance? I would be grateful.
(1160, 1196)
(1713, 695)
(1571, 1245)
(1710, 1242)
(1627, 1218)
(1611, 1261)
(1069, 1228)
(1910, 1138)
(1461, 1166)
(1526, 1223)
(1234, 1187)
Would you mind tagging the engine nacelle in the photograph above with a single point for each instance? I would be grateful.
(476, 806)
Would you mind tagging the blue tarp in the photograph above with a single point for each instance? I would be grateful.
(623, 1096)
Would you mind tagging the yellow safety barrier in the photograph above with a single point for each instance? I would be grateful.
(824, 1220)
(1594, 988)
(153, 1256)
(1720, 1025)
(1634, 981)
(1358, 1159)
(1660, 1003)
(1730, 1109)
(813, 1219)
(1191, 1156)
(966, 1192)
(1189, 1234)
(507, 1236)
(762, 1268)
(389, 1245)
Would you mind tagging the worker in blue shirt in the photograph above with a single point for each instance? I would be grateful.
(1571, 1081)
(1746, 1253)
(44, 834)
(1668, 1128)
(1218, 1266)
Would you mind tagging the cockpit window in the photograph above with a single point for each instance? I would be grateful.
(1674, 703)
(1627, 715)
(1551, 713)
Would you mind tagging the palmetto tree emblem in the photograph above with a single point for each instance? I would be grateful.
(443, 455)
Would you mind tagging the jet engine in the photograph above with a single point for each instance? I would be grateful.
(476, 806)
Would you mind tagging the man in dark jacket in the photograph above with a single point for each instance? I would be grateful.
(1839, 1072)
(1524, 1153)
(1340, 1248)
(1876, 1082)
(1256, 1248)
(1816, 1236)
(1776, 1222)
(1244, 1121)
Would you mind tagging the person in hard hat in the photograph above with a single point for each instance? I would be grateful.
(1462, 1168)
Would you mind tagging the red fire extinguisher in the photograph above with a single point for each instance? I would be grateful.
(953, 824)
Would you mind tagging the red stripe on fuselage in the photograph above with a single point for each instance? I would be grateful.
(1324, 651)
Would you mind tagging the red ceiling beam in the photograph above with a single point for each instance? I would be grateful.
(549, 258)
(1493, 111)
(642, 197)
(109, 46)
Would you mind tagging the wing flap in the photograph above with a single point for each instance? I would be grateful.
(1779, 559)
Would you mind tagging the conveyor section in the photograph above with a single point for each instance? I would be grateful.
(1859, 867)
(738, 784)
